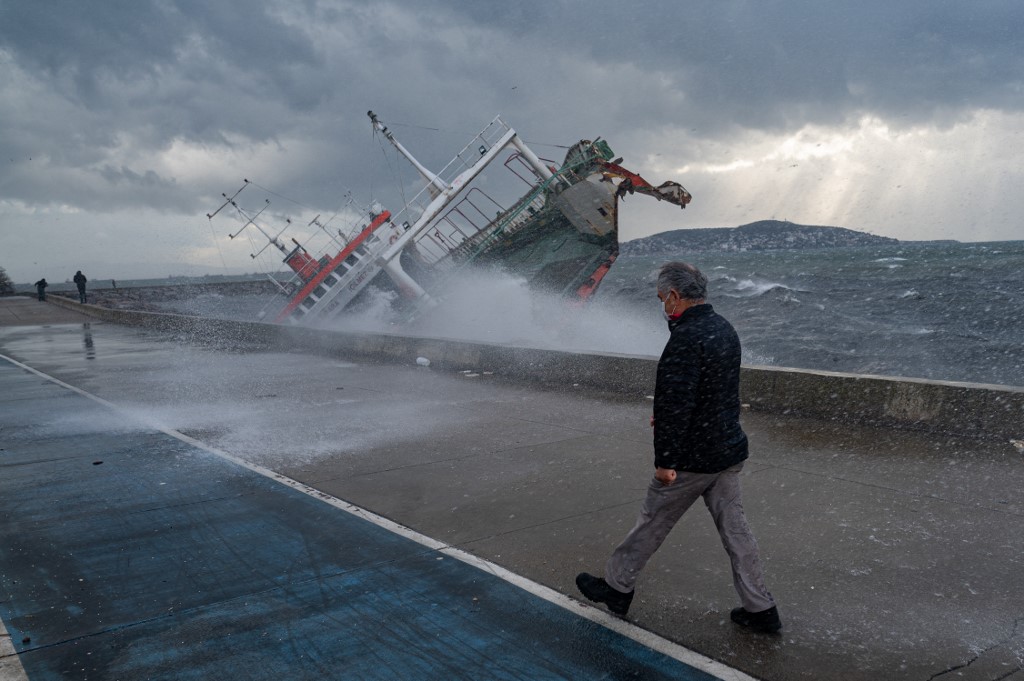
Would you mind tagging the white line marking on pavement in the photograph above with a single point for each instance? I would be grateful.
(10, 664)
(627, 629)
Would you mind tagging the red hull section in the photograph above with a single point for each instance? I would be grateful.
(331, 266)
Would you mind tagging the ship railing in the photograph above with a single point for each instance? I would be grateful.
(455, 235)
(512, 220)
(461, 223)
(476, 148)
(462, 161)
(521, 212)
(532, 204)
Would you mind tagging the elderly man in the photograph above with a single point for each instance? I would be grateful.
(699, 449)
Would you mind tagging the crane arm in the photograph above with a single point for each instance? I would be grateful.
(673, 192)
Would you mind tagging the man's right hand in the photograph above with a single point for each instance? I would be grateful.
(666, 476)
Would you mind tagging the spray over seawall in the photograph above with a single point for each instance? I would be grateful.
(496, 307)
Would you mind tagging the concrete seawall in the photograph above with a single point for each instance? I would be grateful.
(967, 409)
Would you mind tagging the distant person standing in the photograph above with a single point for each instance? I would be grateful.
(80, 283)
(699, 450)
(41, 288)
(113, 283)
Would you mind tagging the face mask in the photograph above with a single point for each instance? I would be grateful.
(669, 317)
(664, 313)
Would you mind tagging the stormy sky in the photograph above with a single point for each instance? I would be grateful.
(121, 122)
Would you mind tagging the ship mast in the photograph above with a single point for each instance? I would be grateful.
(435, 181)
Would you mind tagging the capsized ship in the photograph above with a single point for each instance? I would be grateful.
(560, 234)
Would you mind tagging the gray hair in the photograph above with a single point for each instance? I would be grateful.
(689, 282)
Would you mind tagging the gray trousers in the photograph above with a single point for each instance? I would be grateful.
(662, 509)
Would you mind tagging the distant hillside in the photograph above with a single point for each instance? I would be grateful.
(764, 235)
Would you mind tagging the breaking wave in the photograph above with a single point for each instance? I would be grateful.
(748, 288)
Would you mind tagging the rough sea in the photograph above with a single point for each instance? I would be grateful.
(945, 311)
(942, 311)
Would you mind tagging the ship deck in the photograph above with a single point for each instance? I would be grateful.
(178, 511)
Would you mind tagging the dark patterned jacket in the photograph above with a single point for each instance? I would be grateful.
(696, 399)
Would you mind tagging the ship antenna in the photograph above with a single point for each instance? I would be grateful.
(274, 240)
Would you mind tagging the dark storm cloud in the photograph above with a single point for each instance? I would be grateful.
(96, 77)
(103, 88)
(95, 48)
(147, 75)
(765, 63)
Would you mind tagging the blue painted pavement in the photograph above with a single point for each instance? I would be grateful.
(126, 553)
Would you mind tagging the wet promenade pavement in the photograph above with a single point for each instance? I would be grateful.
(891, 554)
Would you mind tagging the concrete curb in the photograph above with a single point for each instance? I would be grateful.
(967, 409)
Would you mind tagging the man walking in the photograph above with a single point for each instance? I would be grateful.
(699, 449)
(80, 283)
(41, 288)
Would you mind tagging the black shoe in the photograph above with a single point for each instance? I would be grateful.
(766, 621)
(597, 590)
